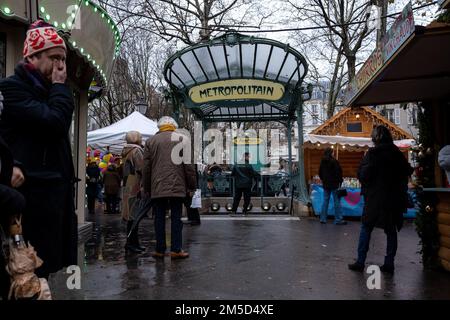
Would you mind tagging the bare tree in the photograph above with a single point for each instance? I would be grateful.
(343, 20)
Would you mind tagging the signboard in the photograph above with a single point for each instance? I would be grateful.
(242, 89)
(399, 32)
(402, 28)
(247, 141)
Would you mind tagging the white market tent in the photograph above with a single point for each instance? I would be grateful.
(113, 136)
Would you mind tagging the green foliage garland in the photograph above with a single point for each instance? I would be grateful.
(426, 221)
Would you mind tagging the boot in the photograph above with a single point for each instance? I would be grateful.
(130, 246)
(135, 239)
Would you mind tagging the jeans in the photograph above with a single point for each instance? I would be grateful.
(364, 241)
(327, 193)
(160, 206)
(237, 199)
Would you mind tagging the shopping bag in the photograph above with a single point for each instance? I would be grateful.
(197, 199)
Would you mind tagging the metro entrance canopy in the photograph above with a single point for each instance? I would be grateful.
(238, 78)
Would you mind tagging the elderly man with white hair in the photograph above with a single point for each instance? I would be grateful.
(167, 181)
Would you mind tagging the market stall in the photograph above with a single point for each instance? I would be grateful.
(415, 67)
(348, 133)
(113, 136)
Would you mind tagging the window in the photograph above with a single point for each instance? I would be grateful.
(354, 127)
(315, 119)
(314, 108)
(397, 116)
(389, 114)
(2, 55)
(412, 116)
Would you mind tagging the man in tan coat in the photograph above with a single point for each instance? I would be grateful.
(167, 181)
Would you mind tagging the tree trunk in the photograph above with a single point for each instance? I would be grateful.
(351, 65)
(383, 4)
(331, 100)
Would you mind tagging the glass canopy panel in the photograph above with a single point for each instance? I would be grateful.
(192, 65)
(295, 78)
(248, 53)
(261, 59)
(234, 60)
(207, 64)
(175, 80)
(182, 73)
(289, 66)
(219, 59)
(276, 63)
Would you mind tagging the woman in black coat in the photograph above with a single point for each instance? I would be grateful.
(383, 173)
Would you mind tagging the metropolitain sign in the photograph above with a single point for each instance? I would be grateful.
(242, 89)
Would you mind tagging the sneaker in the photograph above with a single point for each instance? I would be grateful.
(356, 267)
(387, 269)
(159, 255)
(341, 223)
(323, 222)
(179, 255)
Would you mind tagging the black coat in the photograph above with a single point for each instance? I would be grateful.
(243, 176)
(11, 203)
(35, 124)
(92, 180)
(330, 172)
(384, 173)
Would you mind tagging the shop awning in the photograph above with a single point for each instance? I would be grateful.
(316, 141)
(419, 71)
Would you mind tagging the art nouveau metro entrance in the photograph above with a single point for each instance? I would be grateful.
(240, 79)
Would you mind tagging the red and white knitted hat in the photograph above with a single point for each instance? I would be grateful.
(41, 36)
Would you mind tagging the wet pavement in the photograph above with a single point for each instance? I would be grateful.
(237, 258)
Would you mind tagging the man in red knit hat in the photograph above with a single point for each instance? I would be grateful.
(37, 115)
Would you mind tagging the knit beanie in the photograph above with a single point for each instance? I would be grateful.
(41, 36)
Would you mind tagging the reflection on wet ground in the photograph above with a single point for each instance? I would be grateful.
(248, 259)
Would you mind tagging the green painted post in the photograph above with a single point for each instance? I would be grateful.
(302, 188)
(289, 136)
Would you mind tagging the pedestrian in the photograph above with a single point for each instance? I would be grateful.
(12, 204)
(193, 214)
(37, 116)
(111, 180)
(243, 175)
(212, 171)
(282, 174)
(167, 181)
(330, 172)
(383, 173)
(133, 161)
(92, 182)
